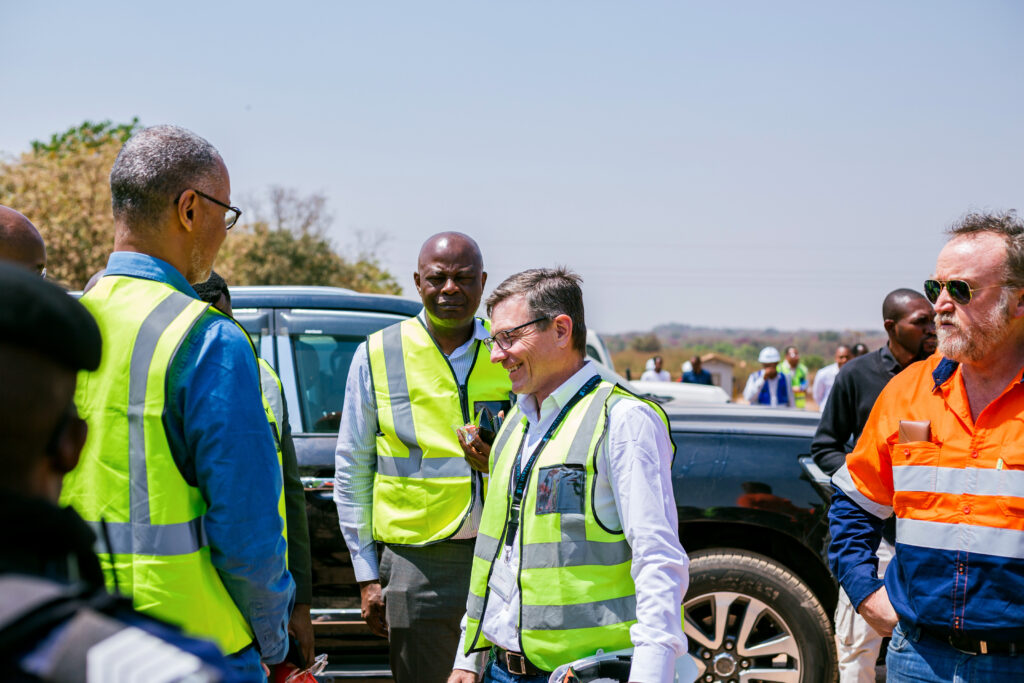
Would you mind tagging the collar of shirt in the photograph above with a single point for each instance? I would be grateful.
(542, 415)
(134, 264)
(479, 334)
(889, 361)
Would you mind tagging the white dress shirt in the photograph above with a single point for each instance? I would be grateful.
(823, 381)
(633, 492)
(355, 458)
(656, 376)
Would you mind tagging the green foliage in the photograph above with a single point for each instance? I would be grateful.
(646, 342)
(62, 186)
(813, 361)
(287, 245)
(88, 136)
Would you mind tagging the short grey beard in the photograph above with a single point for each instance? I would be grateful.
(976, 343)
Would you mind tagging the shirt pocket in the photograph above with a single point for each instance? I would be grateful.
(1010, 486)
(915, 473)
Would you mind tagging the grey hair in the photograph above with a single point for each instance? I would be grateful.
(1008, 226)
(153, 168)
(549, 292)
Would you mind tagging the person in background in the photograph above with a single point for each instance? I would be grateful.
(824, 378)
(797, 374)
(859, 349)
(942, 450)
(180, 470)
(403, 476)
(215, 292)
(908, 320)
(768, 386)
(57, 622)
(593, 561)
(20, 242)
(654, 372)
(696, 374)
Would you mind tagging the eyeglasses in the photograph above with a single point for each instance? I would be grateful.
(504, 338)
(959, 290)
(231, 214)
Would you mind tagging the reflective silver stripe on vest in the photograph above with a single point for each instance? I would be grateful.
(421, 468)
(126, 538)
(575, 525)
(514, 422)
(474, 606)
(272, 392)
(486, 547)
(575, 553)
(579, 450)
(160, 539)
(401, 407)
(562, 617)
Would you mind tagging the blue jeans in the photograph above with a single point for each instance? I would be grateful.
(499, 674)
(246, 664)
(917, 658)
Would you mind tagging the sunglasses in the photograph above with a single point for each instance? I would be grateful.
(504, 339)
(959, 290)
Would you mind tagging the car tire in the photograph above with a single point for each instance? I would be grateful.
(749, 619)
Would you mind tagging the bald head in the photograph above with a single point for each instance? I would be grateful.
(451, 246)
(450, 279)
(20, 242)
(899, 302)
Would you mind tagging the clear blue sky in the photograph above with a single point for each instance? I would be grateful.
(740, 163)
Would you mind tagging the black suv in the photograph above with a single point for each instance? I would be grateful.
(753, 524)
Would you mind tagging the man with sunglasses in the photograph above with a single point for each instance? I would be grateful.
(20, 242)
(942, 449)
(180, 473)
(908, 319)
(403, 476)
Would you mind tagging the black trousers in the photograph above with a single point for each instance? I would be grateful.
(425, 592)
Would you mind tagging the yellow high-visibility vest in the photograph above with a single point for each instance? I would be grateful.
(127, 477)
(423, 487)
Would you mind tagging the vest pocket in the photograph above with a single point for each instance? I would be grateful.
(915, 473)
(1011, 486)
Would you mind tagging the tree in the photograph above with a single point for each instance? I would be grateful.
(63, 187)
(646, 342)
(286, 244)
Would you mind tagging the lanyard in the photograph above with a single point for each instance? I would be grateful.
(524, 474)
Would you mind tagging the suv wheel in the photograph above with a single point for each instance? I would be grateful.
(749, 619)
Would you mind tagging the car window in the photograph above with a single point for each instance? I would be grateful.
(739, 467)
(321, 368)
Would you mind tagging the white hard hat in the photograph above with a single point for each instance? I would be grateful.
(650, 364)
(769, 354)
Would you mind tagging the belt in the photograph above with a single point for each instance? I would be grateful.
(517, 664)
(974, 646)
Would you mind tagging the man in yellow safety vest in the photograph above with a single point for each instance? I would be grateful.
(403, 476)
(578, 548)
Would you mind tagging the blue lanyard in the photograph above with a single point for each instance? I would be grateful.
(524, 475)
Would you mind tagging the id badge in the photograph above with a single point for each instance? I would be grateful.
(502, 581)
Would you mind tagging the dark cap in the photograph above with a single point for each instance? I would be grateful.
(41, 316)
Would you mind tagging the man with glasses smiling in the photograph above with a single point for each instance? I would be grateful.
(943, 449)
(180, 476)
(578, 548)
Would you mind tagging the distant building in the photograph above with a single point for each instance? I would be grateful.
(721, 369)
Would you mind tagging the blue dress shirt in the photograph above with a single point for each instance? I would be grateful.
(222, 444)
